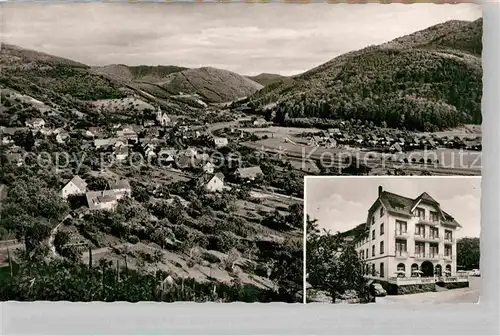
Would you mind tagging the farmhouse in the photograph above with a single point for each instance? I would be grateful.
(213, 183)
(220, 142)
(104, 143)
(128, 133)
(334, 131)
(330, 143)
(121, 186)
(396, 148)
(76, 186)
(209, 168)
(249, 174)
(35, 123)
(149, 123)
(103, 200)
(260, 122)
(6, 134)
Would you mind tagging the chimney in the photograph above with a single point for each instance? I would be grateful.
(380, 189)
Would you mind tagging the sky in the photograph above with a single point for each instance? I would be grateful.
(245, 38)
(340, 204)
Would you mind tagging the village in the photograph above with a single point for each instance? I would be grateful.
(162, 169)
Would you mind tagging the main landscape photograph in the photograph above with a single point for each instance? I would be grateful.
(158, 152)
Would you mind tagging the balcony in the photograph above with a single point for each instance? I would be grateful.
(449, 240)
(401, 234)
(424, 221)
(448, 257)
(426, 237)
(420, 236)
(433, 238)
(401, 254)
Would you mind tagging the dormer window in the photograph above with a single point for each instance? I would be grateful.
(419, 212)
(381, 211)
(434, 216)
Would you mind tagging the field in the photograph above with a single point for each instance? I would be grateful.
(466, 131)
(449, 161)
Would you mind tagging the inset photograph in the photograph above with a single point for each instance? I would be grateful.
(392, 239)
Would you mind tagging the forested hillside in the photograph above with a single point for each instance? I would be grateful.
(425, 81)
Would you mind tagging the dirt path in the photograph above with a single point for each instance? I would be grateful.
(53, 235)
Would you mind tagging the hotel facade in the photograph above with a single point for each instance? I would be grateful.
(408, 238)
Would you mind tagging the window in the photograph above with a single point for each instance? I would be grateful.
(433, 250)
(373, 220)
(367, 253)
(448, 235)
(434, 233)
(381, 270)
(401, 267)
(382, 229)
(447, 250)
(420, 230)
(434, 216)
(420, 213)
(373, 269)
(420, 249)
(401, 227)
(363, 254)
(373, 235)
(373, 251)
(381, 211)
(381, 247)
(400, 247)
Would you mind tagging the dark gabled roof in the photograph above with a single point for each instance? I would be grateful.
(425, 197)
(250, 172)
(120, 184)
(79, 182)
(396, 204)
(402, 205)
(205, 178)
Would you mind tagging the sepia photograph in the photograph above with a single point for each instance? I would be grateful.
(157, 151)
(393, 239)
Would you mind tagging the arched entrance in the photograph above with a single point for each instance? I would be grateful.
(448, 269)
(427, 269)
(438, 270)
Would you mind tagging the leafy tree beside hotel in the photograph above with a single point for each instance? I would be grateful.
(333, 265)
(468, 253)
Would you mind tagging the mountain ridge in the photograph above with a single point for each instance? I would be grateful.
(420, 81)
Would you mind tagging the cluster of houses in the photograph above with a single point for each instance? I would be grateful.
(215, 182)
(334, 137)
(107, 199)
(98, 200)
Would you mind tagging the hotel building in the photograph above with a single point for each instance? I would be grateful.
(413, 237)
